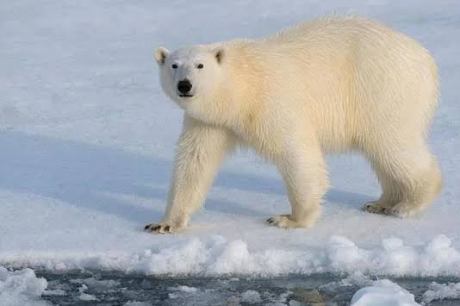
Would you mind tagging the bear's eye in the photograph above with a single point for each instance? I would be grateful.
(200, 66)
(174, 66)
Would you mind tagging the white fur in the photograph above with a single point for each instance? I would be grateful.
(330, 85)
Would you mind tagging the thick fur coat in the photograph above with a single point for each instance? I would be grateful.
(331, 85)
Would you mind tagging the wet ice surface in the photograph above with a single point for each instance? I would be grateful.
(113, 288)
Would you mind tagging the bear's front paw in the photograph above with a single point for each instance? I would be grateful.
(285, 221)
(161, 228)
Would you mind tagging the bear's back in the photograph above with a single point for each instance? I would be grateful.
(345, 74)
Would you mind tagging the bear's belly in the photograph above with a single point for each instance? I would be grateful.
(335, 141)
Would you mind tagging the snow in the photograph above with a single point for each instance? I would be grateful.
(383, 293)
(21, 287)
(85, 296)
(250, 297)
(185, 295)
(100, 284)
(217, 256)
(442, 292)
(185, 289)
(87, 144)
(55, 292)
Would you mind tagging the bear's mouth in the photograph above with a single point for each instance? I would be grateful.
(185, 95)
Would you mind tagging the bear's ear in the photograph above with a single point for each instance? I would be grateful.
(219, 54)
(161, 54)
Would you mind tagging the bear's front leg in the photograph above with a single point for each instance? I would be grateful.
(303, 169)
(200, 151)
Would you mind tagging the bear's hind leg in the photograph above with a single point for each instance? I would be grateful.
(409, 176)
(391, 193)
(421, 193)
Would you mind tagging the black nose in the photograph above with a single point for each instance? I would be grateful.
(184, 86)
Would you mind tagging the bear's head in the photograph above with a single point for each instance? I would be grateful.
(191, 76)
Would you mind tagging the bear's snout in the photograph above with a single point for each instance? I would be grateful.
(184, 87)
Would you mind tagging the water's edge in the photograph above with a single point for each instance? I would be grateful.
(115, 288)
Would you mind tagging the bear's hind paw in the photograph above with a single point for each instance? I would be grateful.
(401, 210)
(404, 210)
(376, 208)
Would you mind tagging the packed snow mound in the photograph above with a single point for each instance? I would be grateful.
(442, 292)
(383, 293)
(218, 256)
(251, 297)
(19, 288)
(186, 289)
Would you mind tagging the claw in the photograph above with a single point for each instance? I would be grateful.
(158, 228)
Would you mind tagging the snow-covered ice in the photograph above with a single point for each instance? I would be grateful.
(87, 143)
(250, 297)
(21, 288)
(442, 292)
(383, 293)
(85, 296)
(185, 289)
(54, 292)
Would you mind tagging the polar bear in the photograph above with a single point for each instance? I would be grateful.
(330, 85)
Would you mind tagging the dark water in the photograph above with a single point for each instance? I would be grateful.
(107, 288)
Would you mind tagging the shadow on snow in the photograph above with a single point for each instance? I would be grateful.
(84, 175)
